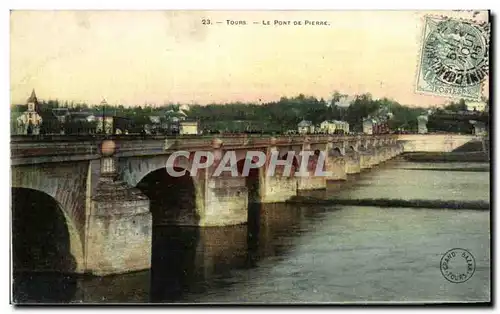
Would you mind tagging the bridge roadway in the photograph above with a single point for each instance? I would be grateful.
(109, 217)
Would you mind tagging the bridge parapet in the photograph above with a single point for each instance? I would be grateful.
(28, 153)
(58, 148)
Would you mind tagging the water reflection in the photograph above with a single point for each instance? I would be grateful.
(197, 260)
(185, 261)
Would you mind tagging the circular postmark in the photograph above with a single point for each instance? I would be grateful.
(457, 265)
(456, 53)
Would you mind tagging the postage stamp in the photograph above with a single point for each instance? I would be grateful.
(454, 58)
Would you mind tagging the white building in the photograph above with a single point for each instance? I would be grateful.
(188, 127)
(305, 127)
(368, 126)
(30, 121)
(331, 126)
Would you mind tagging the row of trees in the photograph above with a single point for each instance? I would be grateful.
(276, 116)
(286, 113)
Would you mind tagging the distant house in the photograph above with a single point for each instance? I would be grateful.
(368, 125)
(81, 122)
(62, 114)
(334, 127)
(376, 125)
(175, 115)
(305, 127)
(154, 126)
(173, 119)
(83, 116)
(188, 127)
(30, 121)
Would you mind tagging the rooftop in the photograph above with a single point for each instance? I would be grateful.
(305, 123)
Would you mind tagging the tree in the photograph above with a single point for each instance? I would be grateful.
(457, 106)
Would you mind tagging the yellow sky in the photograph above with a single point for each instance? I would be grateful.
(134, 57)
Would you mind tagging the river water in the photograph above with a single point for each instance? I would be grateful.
(303, 253)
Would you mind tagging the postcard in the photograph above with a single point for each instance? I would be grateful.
(250, 157)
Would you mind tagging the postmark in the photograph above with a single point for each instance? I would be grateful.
(454, 58)
(457, 265)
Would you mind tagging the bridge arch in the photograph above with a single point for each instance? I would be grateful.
(252, 180)
(174, 200)
(337, 151)
(352, 148)
(65, 184)
(44, 237)
(133, 169)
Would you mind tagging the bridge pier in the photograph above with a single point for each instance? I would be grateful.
(226, 196)
(377, 156)
(119, 224)
(365, 160)
(352, 163)
(226, 201)
(390, 152)
(337, 167)
(395, 149)
(310, 181)
(384, 153)
(277, 187)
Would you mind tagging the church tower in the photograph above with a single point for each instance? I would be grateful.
(30, 121)
(32, 102)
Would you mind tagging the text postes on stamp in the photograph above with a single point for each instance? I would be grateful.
(454, 58)
(457, 265)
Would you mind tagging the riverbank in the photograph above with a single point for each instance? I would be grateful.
(477, 156)
(469, 152)
(385, 202)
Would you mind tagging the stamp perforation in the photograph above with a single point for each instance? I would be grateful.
(482, 26)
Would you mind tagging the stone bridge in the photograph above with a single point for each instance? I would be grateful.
(109, 196)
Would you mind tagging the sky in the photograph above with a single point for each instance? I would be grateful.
(158, 57)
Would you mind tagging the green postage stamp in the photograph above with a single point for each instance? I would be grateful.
(454, 57)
